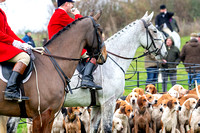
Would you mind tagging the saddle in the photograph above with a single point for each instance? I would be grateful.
(6, 70)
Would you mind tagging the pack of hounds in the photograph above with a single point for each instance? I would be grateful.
(142, 111)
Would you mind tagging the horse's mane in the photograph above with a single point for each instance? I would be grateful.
(122, 31)
(64, 29)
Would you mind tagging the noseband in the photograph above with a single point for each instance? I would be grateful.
(97, 53)
(157, 50)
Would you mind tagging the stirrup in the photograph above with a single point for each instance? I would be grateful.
(14, 97)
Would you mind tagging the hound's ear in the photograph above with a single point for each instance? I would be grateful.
(117, 105)
(98, 15)
(145, 15)
(187, 105)
(169, 104)
(128, 98)
(92, 13)
(122, 109)
(145, 88)
(154, 90)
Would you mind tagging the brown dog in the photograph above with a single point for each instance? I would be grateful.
(142, 117)
(72, 122)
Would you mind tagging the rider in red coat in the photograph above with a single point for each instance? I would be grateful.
(58, 21)
(12, 50)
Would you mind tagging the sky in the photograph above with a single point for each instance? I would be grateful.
(31, 15)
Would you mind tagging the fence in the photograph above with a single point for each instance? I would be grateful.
(136, 77)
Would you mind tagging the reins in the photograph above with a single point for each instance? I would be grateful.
(126, 58)
(156, 51)
(56, 56)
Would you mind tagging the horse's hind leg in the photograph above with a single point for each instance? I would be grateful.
(47, 122)
(95, 119)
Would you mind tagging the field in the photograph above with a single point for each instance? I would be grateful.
(22, 127)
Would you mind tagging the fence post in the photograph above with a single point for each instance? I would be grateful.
(190, 78)
(157, 76)
(138, 79)
(164, 80)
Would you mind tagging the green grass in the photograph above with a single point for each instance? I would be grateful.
(22, 127)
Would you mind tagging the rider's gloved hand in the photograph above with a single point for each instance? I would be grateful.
(75, 11)
(21, 45)
(26, 46)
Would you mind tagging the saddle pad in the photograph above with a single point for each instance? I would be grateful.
(6, 70)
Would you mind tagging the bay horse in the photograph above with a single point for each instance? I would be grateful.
(121, 48)
(46, 86)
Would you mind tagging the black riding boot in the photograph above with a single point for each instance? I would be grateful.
(87, 79)
(12, 89)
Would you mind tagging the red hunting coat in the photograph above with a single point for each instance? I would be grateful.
(58, 21)
(7, 36)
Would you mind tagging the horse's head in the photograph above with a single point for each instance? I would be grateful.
(95, 44)
(152, 39)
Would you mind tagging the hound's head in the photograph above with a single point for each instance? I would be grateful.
(117, 124)
(120, 103)
(142, 102)
(126, 110)
(150, 88)
(140, 91)
(151, 98)
(172, 104)
(190, 103)
(132, 98)
(72, 113)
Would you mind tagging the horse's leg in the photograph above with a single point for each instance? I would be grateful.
(3, 121)
(47, 122)
(12, 124)
(95, 119)
(107, 112)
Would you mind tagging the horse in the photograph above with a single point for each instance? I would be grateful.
(121, 48)
(177, 39)
(53, 68)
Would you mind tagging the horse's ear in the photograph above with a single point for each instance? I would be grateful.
(145, 15)
(92, 13)
(98, 15)
(149, 18)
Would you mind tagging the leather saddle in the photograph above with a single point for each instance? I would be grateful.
(8, 66)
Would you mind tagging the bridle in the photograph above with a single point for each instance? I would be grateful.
(96, 53)
(148, 33)
(156, 51)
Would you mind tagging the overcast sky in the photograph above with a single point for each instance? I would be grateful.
(28, 14)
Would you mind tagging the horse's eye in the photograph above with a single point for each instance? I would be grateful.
(149, 97)
(155, 31)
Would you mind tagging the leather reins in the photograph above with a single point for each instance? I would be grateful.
(156, 51)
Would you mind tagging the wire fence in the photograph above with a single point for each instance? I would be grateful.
(137, 77)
